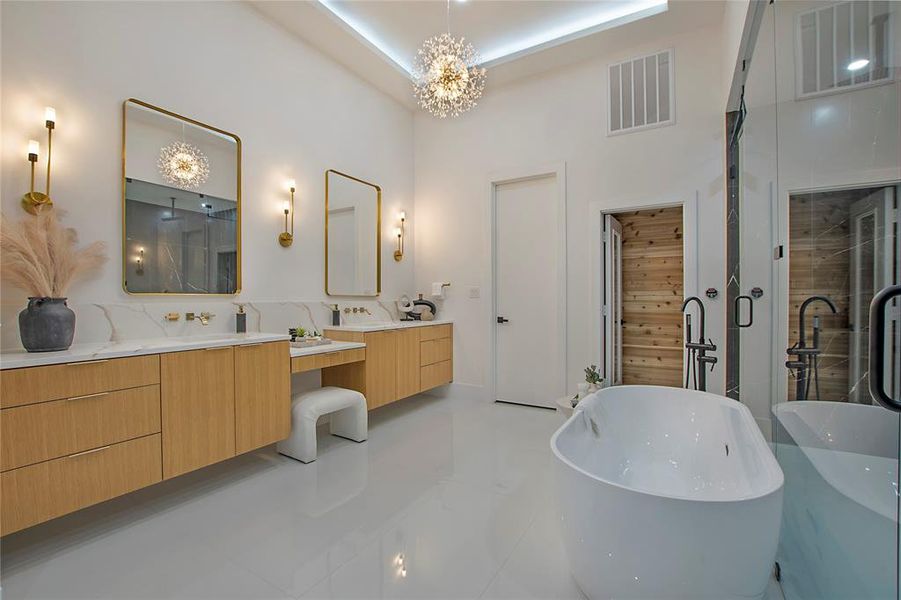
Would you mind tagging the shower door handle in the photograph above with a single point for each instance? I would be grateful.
(876, 369)
(735, 311)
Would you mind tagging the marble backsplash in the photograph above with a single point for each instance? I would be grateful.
(133, 320)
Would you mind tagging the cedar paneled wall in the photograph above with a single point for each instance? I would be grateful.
(652, 296)
(819, 263)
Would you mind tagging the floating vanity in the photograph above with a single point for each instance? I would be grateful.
(402, 359)
(101, 420)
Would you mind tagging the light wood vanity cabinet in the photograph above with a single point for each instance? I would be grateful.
(408, 381)
(198, 394)
(81, 433)
(38, 432)
(262, 395)
(399, 362)
(38, 384)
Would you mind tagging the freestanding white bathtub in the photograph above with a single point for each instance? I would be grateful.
(667, 493)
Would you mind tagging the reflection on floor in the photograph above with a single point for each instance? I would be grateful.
(461, 489)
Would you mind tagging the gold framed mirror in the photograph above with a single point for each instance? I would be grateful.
(181, 204)
(353, 240)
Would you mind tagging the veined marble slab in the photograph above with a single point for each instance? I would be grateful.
(100, 323)
(326, 348)
(384, 326)
(17, 359)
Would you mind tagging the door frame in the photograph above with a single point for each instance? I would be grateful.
(514, 175)
(690, 268)
(781, 314)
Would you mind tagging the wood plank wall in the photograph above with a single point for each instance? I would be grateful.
(819, 263)
(652, 296)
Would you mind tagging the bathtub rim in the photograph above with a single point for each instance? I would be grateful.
(771, 464)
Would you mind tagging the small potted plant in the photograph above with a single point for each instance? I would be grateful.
(40, 256)
(593, 378)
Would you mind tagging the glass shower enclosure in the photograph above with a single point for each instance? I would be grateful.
(813, 237)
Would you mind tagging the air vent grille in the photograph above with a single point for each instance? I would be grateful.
(843, 46)
(641, 93)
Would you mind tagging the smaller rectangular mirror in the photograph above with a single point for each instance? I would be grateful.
(181, 204)
(353, 265)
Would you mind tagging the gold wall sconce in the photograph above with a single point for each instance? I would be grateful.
(139, 262)
(286, 238)
(34, 201)
(399, 232)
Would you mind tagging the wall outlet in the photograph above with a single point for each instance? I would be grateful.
(475, 291)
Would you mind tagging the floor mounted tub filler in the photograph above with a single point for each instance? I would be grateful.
(667, 493)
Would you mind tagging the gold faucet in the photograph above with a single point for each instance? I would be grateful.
(203, 317)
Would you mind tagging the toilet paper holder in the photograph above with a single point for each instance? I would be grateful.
(438, 289)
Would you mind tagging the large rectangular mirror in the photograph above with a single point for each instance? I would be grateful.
(353, 265)
(181, 194)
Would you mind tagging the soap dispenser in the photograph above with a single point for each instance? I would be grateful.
(241, 320)
(336, 315)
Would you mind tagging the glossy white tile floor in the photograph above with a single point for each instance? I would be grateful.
(462, 489)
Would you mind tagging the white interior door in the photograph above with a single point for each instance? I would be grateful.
(612, 310)
(529, 363)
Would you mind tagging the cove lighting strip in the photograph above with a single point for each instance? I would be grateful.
(607, 17)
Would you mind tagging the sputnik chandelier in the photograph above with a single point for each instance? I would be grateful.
(183, 165)
(447, 80)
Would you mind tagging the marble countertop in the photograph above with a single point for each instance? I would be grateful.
(384, 326)
(83, 352)
(326, 348)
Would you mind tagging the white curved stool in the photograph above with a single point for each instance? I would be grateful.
(349, 419)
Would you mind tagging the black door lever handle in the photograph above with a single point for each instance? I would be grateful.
(502, 320)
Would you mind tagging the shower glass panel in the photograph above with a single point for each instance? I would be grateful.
(817, 221)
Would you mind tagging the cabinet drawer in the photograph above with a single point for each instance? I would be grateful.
(299, 364)
(437, 374)
(433, 351)
(39, 384)
(39, 432)
(41, 492)
(435, 332)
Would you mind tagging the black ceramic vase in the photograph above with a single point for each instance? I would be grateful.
(46, 325)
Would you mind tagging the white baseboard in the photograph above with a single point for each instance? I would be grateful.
(461, 391)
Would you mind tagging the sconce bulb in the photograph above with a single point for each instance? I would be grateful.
(292, 185)
(286, 206)
(397, 231)
(50, 114)
(34, 147)
(403, 215)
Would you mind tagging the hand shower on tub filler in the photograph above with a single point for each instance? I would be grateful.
(696, 366)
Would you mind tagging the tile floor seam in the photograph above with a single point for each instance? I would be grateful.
(259, 577)
(510, 555)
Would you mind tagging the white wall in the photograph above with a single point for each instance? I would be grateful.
(561, 116)
(297, 113)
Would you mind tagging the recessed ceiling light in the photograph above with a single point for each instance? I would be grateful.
(858, 64)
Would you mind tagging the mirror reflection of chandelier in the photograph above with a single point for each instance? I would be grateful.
(447, 80)
(184, 165)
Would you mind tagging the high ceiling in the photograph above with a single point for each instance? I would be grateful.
(378, 39)
(500, 29)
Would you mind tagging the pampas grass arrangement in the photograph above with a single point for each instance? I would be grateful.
(40, 255)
